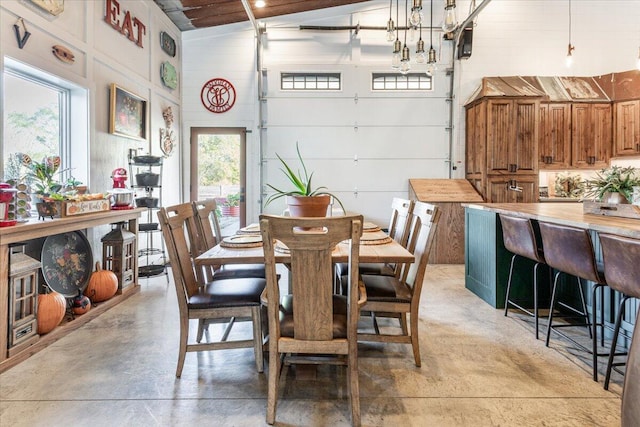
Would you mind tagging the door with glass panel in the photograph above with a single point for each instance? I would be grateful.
(218, 172)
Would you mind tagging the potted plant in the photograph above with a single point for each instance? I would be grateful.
(303, 200)
(613, 185)
(231, 205)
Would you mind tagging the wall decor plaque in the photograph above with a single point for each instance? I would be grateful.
(168, 44)
(54, 7)
(169, 75)
(218, 95)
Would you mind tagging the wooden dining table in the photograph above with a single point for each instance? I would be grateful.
(389, 252)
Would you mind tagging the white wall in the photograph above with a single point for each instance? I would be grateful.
(103, 56)
(512, 37)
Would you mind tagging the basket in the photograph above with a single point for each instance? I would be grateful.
(147, 179)
(147, 160)
(147, 202)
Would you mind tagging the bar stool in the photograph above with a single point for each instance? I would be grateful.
(519, 239)
(622, 270)
(570, 250)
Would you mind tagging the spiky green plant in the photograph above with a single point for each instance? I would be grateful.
(301, 183)
(616, 179)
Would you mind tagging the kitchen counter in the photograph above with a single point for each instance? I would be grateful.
(447, 194)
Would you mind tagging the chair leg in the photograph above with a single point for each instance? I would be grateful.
(354, 383)
(201, 326)
(403, 323)
(594, 323)
(535, 297)
(551, 307)
(614, 341)
(506, 299)
(415, 338)
(256, 318)
(184, 338)
(274, 375)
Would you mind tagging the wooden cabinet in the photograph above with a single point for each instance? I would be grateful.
(554, 130)
(591, 135)
(502, 148)
(512, 189)
(626, 128)
(512, 136)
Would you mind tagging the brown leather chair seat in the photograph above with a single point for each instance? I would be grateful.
(339, 316)
(228, 293)
(386, 288)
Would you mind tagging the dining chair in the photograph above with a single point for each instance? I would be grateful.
(390, 296)
(222, 299)
(311, 320)
(401, 210)
(206, 219)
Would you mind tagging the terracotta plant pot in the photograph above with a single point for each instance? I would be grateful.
(308, 206)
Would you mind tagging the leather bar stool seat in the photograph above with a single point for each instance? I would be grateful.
(621, 257)
(570, 250)
(519, 239)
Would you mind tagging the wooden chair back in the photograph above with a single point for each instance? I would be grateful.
(401, 210)
(424, 222)
(208, 227)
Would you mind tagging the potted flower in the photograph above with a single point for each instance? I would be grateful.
(303, 200)
(231, 205)
(47, 189)
(613, 185)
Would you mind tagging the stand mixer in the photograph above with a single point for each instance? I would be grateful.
(121, 196)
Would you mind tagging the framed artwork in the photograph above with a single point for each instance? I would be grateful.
(54, 7)
(128, 114)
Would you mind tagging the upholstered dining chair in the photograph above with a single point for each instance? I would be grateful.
(390, 296)
(311, 320)
(223, 299)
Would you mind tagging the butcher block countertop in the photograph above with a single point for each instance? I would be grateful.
(444, 190)
(566, 214)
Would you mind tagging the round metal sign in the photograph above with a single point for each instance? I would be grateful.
(218, 95)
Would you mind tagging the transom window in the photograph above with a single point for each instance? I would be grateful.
(396, 81)
(310, 81)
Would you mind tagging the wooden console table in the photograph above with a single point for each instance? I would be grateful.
(35, 229)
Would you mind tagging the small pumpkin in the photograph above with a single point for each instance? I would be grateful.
(51, 309)
(81, 304)
(103, 284)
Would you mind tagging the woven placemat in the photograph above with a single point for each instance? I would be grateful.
(281, 248)
(369, 227)
(250, 229)
(377, 241)
(242, 241)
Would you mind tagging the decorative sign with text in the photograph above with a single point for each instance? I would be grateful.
(125, 27)
(218, 95)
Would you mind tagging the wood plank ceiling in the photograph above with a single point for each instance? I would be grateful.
(192, 14)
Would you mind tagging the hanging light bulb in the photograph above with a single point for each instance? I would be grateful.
(420, 55)
(397, 48)
(391, 26)
(570, 48)
(412, 33)
(569, 58)
(450, 20)
(405, 64)
(431, 62)
(416, 13)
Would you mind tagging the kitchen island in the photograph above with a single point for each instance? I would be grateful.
(487, 260)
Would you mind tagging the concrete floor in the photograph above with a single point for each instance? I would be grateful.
(479, 368)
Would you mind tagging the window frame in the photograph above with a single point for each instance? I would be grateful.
(397, 76)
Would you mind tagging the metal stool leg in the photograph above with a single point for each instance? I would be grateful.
(614, 341)
(506, 302)
(552, 306)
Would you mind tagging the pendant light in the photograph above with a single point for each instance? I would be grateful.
(431, 59)
(391, 26)
(450, 21)
(416, 13)
(397, 46)
(405, 65)
(420, 55)
(570, 48)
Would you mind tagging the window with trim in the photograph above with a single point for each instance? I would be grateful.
(310, 81)
(397, 81)
(37, 123)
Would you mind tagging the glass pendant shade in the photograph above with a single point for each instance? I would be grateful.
(391, 33)
(421, 57)
(405, 64)
(450, 20)
(397, 52)
(431, 63)
(416, 13)
(569, 58)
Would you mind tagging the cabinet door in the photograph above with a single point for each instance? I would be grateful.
(500, 136)
(513, 189)
(591, 135)
(525, 153)
(475, 145)
(626, 128)
(554, 131)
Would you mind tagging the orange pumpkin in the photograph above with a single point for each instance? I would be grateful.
(103, 284)
(51, 310)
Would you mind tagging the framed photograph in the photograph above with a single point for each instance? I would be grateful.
(54, 7)
(128, 114)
